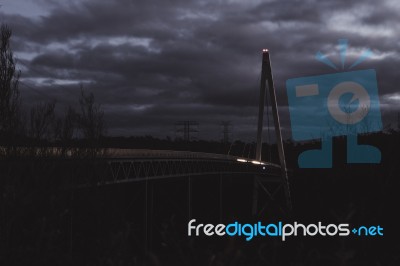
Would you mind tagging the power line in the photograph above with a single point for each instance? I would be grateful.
(40, 92)
(35, 90)
(41, 73)
(44, 94)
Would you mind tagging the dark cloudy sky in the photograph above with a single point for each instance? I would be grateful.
(152, 63)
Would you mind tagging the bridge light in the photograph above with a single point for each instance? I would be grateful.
(241, 160)
(258, 162)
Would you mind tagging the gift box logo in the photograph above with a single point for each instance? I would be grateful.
(338, 104)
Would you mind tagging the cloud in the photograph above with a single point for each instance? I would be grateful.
(152, 63)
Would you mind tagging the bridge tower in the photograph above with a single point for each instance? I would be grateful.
(259, 182)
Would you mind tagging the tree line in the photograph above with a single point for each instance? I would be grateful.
(40, 126)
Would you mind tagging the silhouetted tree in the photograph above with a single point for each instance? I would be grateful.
(9, 93)
(91, 119)
(42, 118)
(65, 128)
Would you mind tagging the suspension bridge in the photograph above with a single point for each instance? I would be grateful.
(129, 165)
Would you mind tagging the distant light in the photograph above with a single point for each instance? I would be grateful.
(265, 50)
(241, 160)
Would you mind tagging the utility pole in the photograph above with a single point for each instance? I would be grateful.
(187, 128)
(226, 125)
(398, 121)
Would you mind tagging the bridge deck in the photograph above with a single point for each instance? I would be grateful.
(146, 154)
(127, 165)
(130, 165)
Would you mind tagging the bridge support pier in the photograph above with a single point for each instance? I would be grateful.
(268, 193)
(189, 199)
(148, 216)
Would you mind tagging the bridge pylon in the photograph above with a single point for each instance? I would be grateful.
(259, 183)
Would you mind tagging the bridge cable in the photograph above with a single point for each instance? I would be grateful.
(269, 145)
